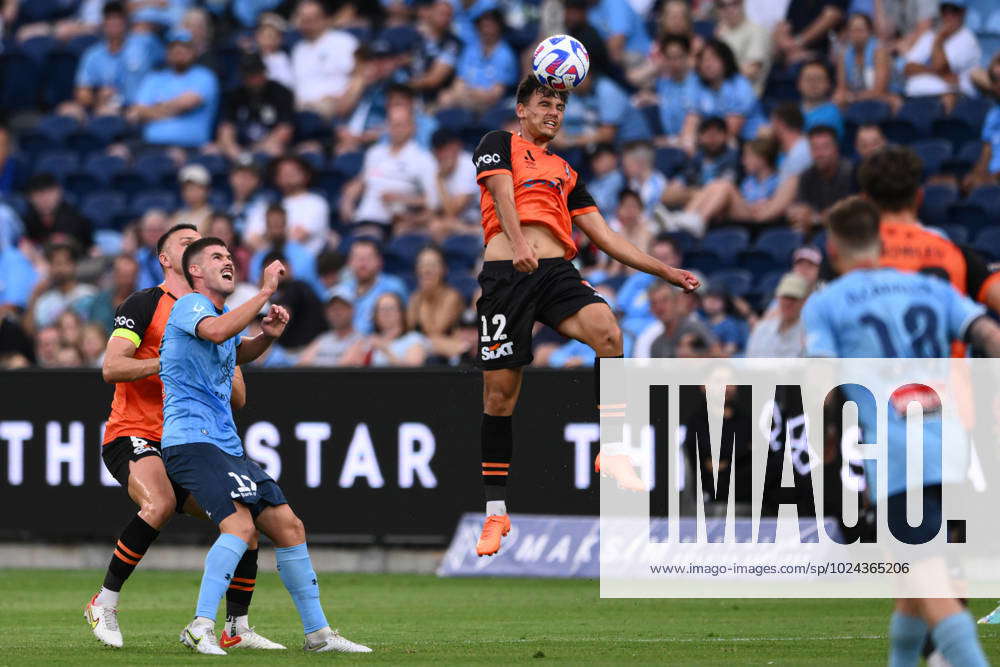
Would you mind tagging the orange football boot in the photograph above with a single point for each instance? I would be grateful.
(619, 467)
(495, 527)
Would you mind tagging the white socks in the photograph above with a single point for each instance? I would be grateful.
(201, 621)
(107, 598)
(238, 624)
(318, 636)
(495, 507)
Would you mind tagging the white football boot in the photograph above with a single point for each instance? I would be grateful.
(200, 637)
(103, 622)
(237, 633)
(330, 640)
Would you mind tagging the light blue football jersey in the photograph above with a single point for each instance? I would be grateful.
(197, 379)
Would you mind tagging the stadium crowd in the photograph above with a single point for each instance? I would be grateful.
(336, 136)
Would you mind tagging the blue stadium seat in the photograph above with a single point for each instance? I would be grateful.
(956, 234)
(964, 158)
(81, 182)
(219, 199)
(703, 260)
(727, 242)
(402, 38)
(313, 159)
(980, 210)
(988, 243)
(779, 243)
(103, 207)
(456, 120)
(348, 165)
(462, 251)
(670, 161)
(465, 283)
(685, 241)
(60, 76)
(764, 289)
(56, 129)
(79, 44)
(913, 121)
(758, 262)
(150, 199)
(309, 125)
(735, 282)
(38, 48)
(867, 112)
(108, 129)
(156, 168)
(21, 79)
(933, 153)
(401, 253)
(937, 200)
(651, 112)
(58, 163)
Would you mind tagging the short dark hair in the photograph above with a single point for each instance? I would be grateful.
(530, 84)
(367, 240)
(53, 249)
(853, 223)
(891, 177)
(823, 129)
(712, 123)
(162, 241)
(682, 41)
(114, 8)
(820, 64)
(400, 89)
(444, 136)
(724, 53)
(302, 164)
(868, 19)
(765, 147)
(274, 256)
(790, 114)
(42, 181)
(329, 261)
(275, 207)
(629, 192)
(194, 250)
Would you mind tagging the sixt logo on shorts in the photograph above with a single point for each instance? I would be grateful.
(487, 158)
(122, 321)
(496, 350)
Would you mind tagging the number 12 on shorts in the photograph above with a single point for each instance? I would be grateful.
(500, 322)
(243, 490)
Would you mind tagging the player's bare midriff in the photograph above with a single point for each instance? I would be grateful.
(541, 240)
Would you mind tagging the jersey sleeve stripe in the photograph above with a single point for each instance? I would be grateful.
(127, 334)
(483, 175)
(583, 211)
(985, 287)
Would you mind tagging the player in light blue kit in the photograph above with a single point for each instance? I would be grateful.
(203, 453)
(881, 312)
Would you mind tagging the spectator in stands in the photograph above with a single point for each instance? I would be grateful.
(330, 347)
(633, 297)
(805, 32)
(486, 69)
(787, 122)
(153, 224)
(308, 212)
(806, 263)
(864, 69)
(10, 176)
(59, 290)
(17, 280)
(124, 281)
(434, 62)
(258, 116)
(366, 101)
(197, 22)
(677, 332)
(676, 83)
(434, 307)
(722, 91)
(221, 226)
(195, 183)
(110, 72)
(50, 217)
(392, 342)
(93, 342)
(397, 183)
(784, 335)
(367, 282)
(303, 305)
(760, 166)
(750, 43)
(623, 30)
(578, 25)
(177, 105)
(631, 222)
(70, 327)
(987, 169)
(817, 108)
(458, 192)
(941, 61)
(869, 140)
(637, 167)
(606, 180)
(594, 112)
(47, 347)
(269, 37)
(827, 181)
(158, 14)
(322, 61)
(675, 20)
(713, 161)
(329, 267)
(275, 240)
(731, 332)
(248, 202)
(900, 23)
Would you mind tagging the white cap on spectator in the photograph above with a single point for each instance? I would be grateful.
(793, 285)
(342, 293)
(808, 253)
(195, 173)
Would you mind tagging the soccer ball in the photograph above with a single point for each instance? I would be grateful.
(560, 62)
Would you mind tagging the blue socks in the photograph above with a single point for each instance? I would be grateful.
(956, 638)
(219, 566)
(297, 575)
(906, 639)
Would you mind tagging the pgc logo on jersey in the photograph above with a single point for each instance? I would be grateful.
(127, 322)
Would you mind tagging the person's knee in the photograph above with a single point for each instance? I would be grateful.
(240, 526)
(499, 399)
(157, 509)
(291, 532)
(607, 338)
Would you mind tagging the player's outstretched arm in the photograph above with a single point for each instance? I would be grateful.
(239, 397)
(272, 326)
(618, 247)
(120, 364)
(501, 188)
(985, 335)
(222, 328)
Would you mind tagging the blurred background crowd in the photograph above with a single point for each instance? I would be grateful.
(336, 136)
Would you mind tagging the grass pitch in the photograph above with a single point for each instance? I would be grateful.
(423, 619)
